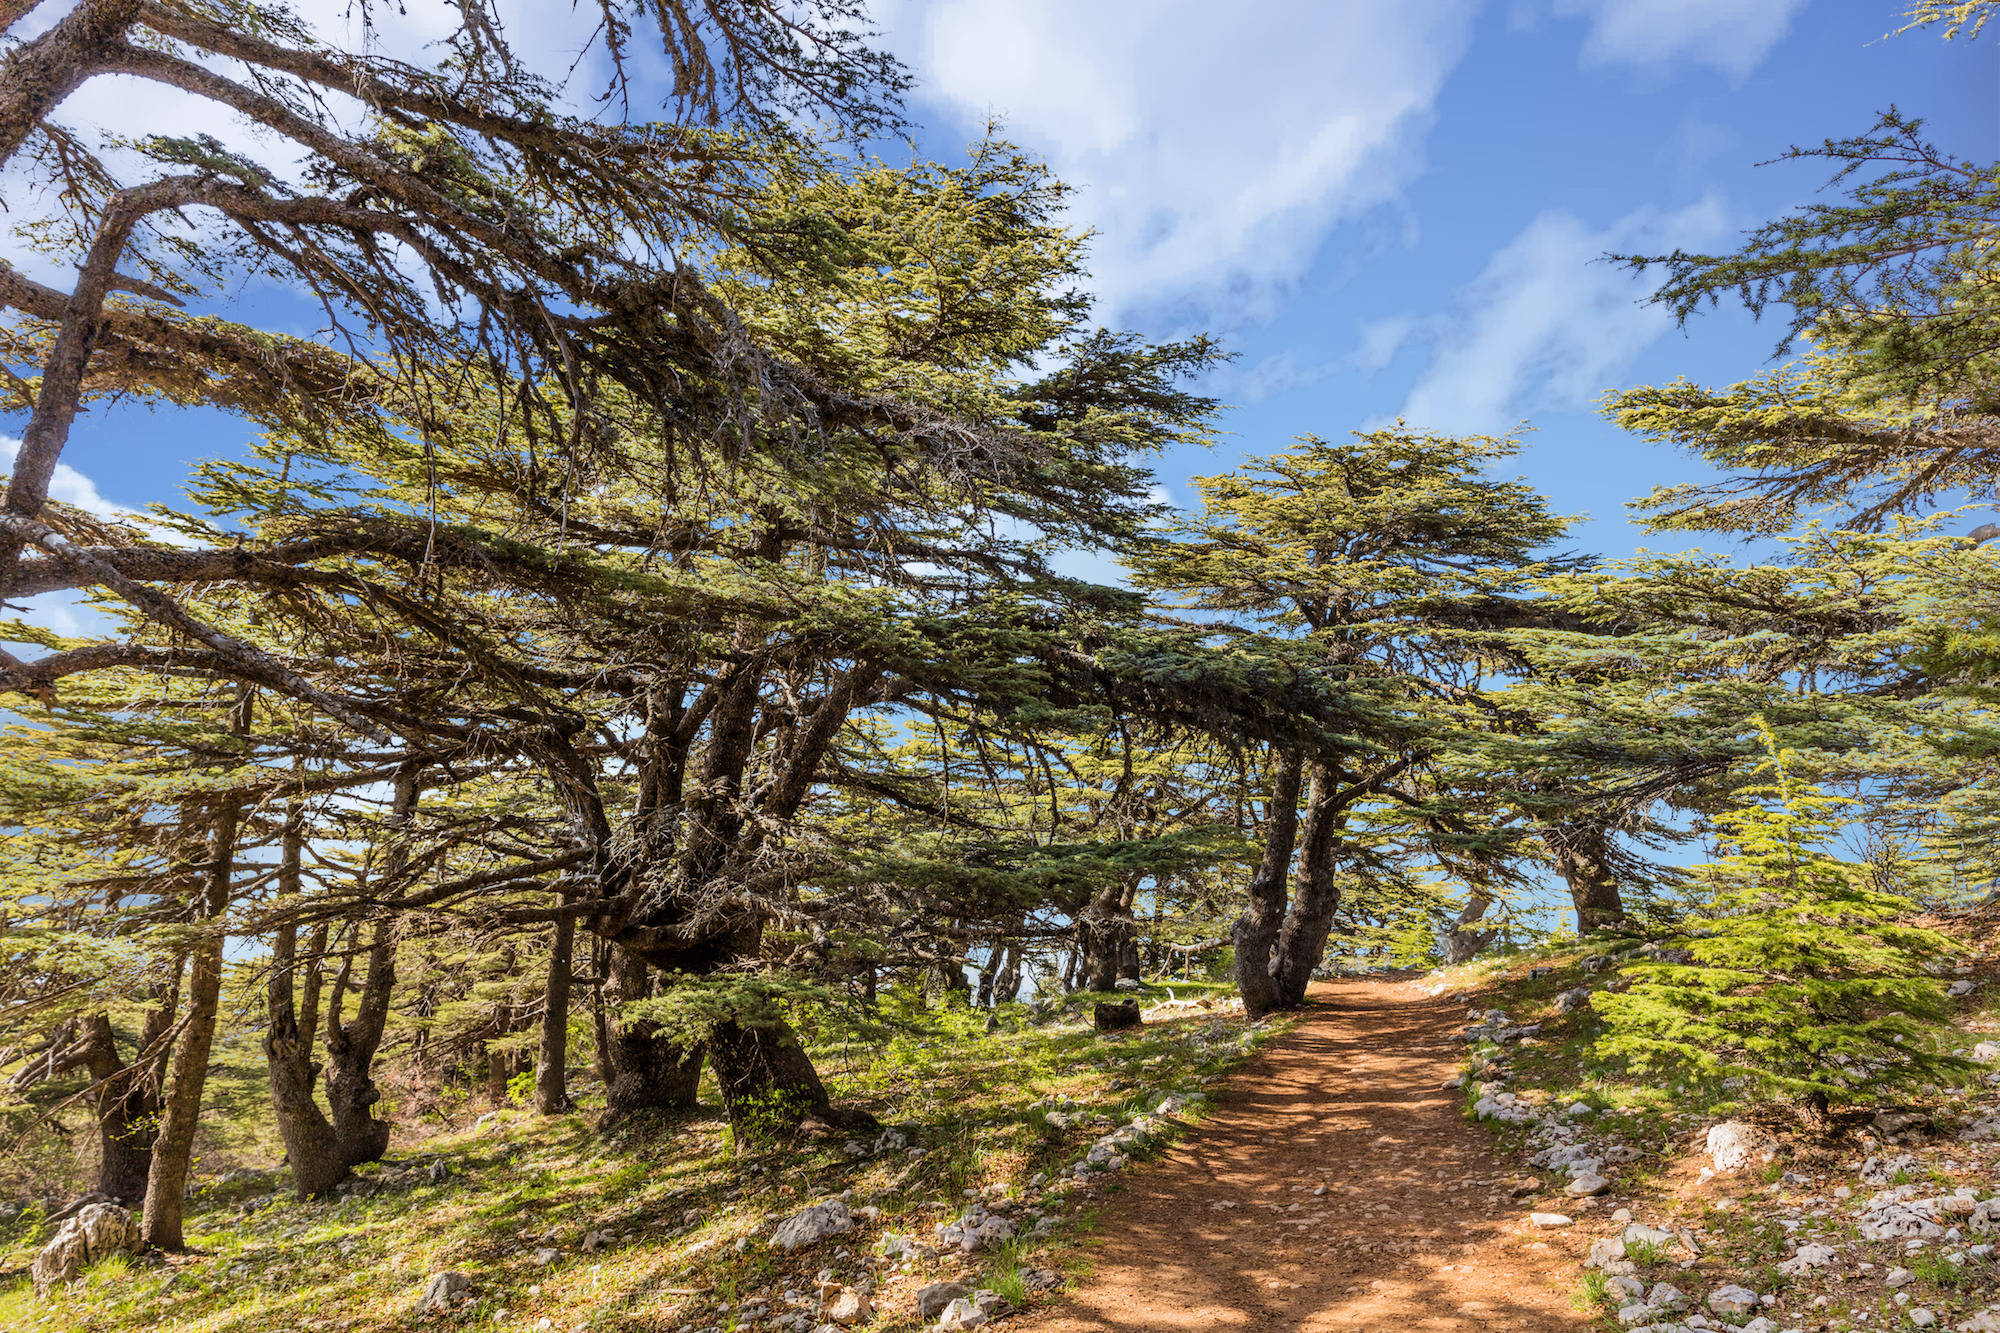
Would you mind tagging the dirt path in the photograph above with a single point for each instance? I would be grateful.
(1411, 1233)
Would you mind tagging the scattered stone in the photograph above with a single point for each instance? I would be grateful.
(932, 1300)
(1734, 1145)
(545, 1256)
(1572, 1000)
(93, 1233)
(1806, 1258)
(850, 1307)
(1586, 1185)
(443, 1289)
(1987, 1052)
(1668, 1297)
(1884, 1170)
(1922, 1318)
(1550, 1220)
(1732, 1299)
(811, 1225)
(1899, 1277)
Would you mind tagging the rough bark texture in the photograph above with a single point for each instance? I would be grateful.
(1255, 934)
(646, 1072)
(351, 1093)
(310, 1144)
(769, 1084)
(1007, 982)
(187, 1072)
(128, 1100)
(38, 75)
(552, 1058)
(1103, 930)
(1461, 942)
(1582, 856)
(1316, 896)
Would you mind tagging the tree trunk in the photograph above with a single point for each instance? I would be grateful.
(1583, 856)
(552, 1059)
(1007, 982)
(128, 1097)
(1103, 930)
(310, 1144)
(647, 1072)
(1461, 942)
(187, 1071)
(1255, 933)
(351, 1093)
(1309, 919)
(769, 1084)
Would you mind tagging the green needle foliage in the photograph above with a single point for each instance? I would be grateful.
(1802, 978)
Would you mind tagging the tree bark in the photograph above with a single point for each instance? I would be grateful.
(648, 1073)
(128, 1096)
(1255, 934)
(1583, 856)
(552, 1059)
(351, 1093)
(187, 1072)
(1309, 919)
(769, 1084)
(1461, 942)
(1007, 982)
(310, 1143)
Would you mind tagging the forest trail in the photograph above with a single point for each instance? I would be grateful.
(1225, 1232)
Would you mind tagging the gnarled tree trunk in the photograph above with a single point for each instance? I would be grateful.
(769, 1084)
(645, 1072)
(310, 1143)
(1583, 859)
(1316, 895)
(351, 1093)
(1255, 933)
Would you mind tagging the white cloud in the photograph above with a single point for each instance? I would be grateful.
(68, 485)
(1211, 155)
(1729, 35)
(1545, 327)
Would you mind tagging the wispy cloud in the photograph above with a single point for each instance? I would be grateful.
(1728, 35)
(1544, 326)
(1211, 157)
(68, 485)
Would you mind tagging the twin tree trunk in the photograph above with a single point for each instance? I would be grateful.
(128, 1097)
(325, 1148)
(1281, 935)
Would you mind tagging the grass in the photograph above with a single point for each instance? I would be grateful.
(358, 1264)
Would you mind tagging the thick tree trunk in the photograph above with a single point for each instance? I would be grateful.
(187, 1071)
(1309, 919)
(1102, 932)
(1462, 942)
(1255, 934)
(1007, 981)
(552, 1059)
(310, 1144)
(351, 1093)
(1583, 855)
(128, 1098)
(647, 1072)
(769, 1084)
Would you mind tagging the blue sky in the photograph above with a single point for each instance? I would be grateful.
(1380, 208)
(1394, 208)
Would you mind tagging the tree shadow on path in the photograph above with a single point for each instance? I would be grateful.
(1413, 1228)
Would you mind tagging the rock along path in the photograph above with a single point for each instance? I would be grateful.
(1415, 1230)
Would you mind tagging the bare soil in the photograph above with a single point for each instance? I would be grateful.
(1415, 1229)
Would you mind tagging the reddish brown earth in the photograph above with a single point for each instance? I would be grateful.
(1415, 1231)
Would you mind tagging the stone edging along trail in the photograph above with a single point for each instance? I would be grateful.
(1337, 1186)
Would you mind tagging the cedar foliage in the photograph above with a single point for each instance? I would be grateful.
(1802, 977)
